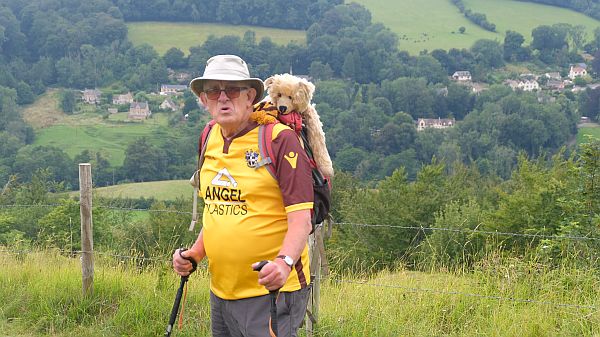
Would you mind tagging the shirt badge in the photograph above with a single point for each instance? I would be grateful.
(252, 158)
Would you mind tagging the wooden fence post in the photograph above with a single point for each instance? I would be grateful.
(315, 293)
(87, 238)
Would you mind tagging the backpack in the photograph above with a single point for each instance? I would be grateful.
(321, 185)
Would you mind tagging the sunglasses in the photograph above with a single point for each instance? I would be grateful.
(231, 92)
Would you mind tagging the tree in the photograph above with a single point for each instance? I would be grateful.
(488, 52)
(174, 58)
(513, 42)
(144, 161)
(462, 29)
(67, 101)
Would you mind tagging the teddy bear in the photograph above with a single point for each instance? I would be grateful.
(291, 98)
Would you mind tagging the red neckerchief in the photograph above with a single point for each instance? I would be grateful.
(292, 119)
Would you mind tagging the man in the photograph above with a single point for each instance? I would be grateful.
(250, 215)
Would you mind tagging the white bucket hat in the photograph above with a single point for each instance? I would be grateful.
(227, 68)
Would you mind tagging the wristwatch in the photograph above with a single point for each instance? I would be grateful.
(287, 259)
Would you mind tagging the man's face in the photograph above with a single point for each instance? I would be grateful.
(229, 103)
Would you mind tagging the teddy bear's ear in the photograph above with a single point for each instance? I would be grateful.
(269, 82)
(304, 94)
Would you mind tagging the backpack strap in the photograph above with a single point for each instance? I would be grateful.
(195, 180)
(265, 148)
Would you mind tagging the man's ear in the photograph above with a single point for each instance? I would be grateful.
(203, 100)
(251, 92)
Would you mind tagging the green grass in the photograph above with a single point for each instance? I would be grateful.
(89, 132)
(41, 296)
(523, 17)
(165, 35)
(583, 134)
(425, 24)
(428, 24)
(160, 190)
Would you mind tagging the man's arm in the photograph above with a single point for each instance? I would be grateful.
(274, 275)
(197, 253)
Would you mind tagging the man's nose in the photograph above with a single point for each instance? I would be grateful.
(223, 96)
(282, 108)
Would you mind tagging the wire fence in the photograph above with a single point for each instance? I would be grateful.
(349, 224)
(339, 280)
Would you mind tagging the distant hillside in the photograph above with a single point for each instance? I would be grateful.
(165, 35)
(432, 24)
(160, 190)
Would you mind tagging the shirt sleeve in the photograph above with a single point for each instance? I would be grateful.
(294, 172)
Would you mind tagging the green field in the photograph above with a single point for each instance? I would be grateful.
(160, 190)
(109, 138)
(429, 24)
(165, 35)
(41, 295)
(583, 133)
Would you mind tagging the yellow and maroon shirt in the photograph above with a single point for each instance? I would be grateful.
(245, 212)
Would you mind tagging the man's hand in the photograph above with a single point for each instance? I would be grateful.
(181, 264)
(273, 275)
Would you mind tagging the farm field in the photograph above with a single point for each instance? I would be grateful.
(587, 131)
(165, 35)
(160, 190)
(429, 24)
(510, 298)
(88, 130)
(518, 16)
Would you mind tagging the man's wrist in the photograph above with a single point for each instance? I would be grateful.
(288, 260)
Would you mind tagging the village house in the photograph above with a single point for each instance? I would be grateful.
(439, 123)
(555, 75)
(556, 85)
(461, 76)
(168, 104)
(172, 89)
(525, 85)
(91, 96)
(576, 71)
(139, 111)
(112, 110)
(123, 99)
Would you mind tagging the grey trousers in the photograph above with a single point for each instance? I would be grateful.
(249, 317)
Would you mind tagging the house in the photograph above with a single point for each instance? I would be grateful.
(525, 85)
(553, 76)
(168, 104)
(139, 111)
(461, 76)
(477, 87)
(91, 96)
(123, 99)
(577, 71)
(556, 85)
(112, 110)
(172, 89)
(439, 123)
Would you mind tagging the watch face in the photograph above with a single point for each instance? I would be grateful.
(288, 260)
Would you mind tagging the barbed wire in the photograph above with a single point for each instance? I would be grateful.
(420, 228)
(474, 231)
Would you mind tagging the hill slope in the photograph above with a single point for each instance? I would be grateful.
(429, 24)
(164, 35)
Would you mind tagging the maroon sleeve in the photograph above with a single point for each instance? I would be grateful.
(294, 173)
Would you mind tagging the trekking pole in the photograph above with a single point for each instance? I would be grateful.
(177, 302)
(273, 297)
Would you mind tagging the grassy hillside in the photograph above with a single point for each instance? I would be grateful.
(88, 130)
(429, 24)
(523, 17)
(165, 35)
(160, 190)
(425, 24)
(41, 296)
(587, 131)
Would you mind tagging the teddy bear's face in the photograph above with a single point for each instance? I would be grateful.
(289, 93)
(284, 102)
